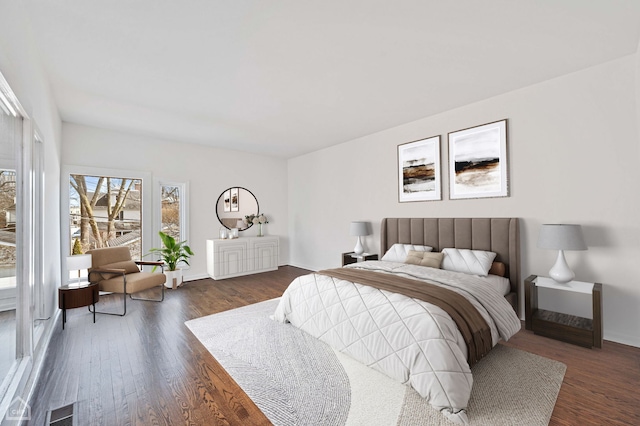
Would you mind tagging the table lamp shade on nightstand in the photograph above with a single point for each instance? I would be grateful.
(561, 237)
(78, 262)
(358, 229)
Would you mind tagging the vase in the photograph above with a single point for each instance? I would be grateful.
(260, 230)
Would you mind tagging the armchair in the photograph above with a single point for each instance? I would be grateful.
(115, 272)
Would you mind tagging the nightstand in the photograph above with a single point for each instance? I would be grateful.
(568, 328)
(75, 296)
(351, 257)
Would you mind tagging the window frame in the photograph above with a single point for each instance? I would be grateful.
(147, 199)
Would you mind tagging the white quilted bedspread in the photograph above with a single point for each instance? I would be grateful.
(412, 341)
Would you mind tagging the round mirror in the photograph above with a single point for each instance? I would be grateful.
(234, 204)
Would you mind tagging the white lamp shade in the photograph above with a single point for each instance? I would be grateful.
(561, 237)
(78, 262)
(358, 229)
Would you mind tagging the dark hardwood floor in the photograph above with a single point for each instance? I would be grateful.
(147, 368)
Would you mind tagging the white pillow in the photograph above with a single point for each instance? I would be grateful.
(398, 252)
(474, 262)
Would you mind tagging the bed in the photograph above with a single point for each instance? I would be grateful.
(423, 326)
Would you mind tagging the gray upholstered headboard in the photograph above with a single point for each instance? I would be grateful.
(499, 235)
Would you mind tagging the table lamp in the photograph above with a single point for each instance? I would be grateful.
(78, 262)
(358, 229)
(561, 237)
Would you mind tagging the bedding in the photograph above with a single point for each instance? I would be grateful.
(476, 262)
(398, 252)
(410, 340)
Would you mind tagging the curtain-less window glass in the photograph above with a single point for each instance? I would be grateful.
(10, 137)
(105, 211)
(171, 200)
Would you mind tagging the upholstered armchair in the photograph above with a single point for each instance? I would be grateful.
(115, 272)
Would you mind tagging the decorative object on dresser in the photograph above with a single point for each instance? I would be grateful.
(78, 262)
(358, 229)
(580, 331)
(419, 170)
(561, 237)
(478, 164)
(241, 256)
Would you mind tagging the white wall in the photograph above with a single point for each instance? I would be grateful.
(208, 171)
(20, 64)
(573, 149)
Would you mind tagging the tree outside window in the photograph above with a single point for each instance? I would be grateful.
(106, 212)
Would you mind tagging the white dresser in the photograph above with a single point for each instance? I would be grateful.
(241, 256)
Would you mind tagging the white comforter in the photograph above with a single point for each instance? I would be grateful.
(410, 340)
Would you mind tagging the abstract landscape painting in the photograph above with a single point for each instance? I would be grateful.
(478, 162)
(419, 170)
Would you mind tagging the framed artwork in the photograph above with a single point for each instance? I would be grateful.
(419, 170)
(226, 196)
(478, 162)
(235, 202)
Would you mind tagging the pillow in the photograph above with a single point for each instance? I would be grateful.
(474, 262)
(129, 267)
(424, 258)
(398, 252)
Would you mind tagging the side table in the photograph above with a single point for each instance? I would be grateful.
(568, 328)
(75, 296)
(351, 257)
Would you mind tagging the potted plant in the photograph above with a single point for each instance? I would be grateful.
(172, 254)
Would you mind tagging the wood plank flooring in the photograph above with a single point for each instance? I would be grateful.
(147, 368)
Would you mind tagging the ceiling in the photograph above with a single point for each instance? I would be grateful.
(287, 77)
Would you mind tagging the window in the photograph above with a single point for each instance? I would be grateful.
(105, 211)
(172, 215)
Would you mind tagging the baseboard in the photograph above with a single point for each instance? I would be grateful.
(307, 267)
(623, 339)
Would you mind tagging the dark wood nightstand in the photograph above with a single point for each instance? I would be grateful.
(76, 296)
(351, 257)
(568, 328)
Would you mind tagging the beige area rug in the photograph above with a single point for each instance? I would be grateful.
(297, 380)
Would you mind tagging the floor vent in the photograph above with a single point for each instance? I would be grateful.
(62, 416)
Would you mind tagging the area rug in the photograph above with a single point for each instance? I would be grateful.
(297, 380)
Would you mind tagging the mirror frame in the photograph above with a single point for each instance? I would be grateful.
(220, 197)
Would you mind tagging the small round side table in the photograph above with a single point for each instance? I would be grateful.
(76, 296)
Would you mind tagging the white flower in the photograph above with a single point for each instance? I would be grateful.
(262, 219)
(255, 221)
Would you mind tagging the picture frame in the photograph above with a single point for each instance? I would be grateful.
(478, 163)
(235, 200)
(226, 196)
(419, 177)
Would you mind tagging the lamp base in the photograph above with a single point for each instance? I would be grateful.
(359, 249)
(560, 272)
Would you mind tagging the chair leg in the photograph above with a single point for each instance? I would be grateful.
(124, 312)
(149, 300)
(124, 301)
